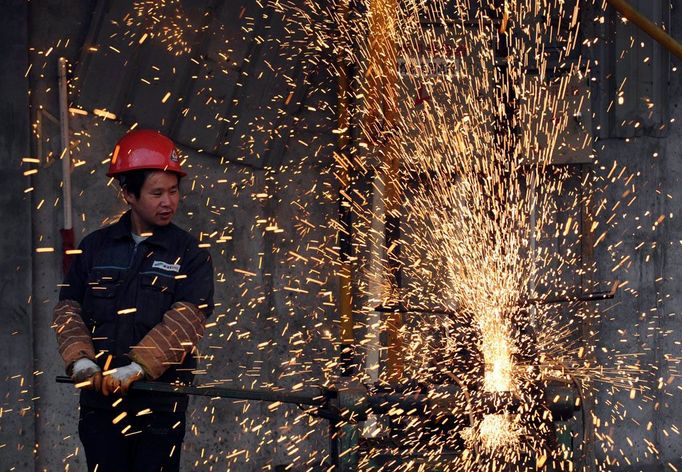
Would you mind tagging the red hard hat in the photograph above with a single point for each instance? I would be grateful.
(144, 149)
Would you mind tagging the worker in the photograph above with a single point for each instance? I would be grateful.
(133, 306)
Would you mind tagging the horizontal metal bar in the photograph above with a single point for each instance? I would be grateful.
(384, 403)
(312, 397)
(403, 309)
(590, 297)
(585, 297)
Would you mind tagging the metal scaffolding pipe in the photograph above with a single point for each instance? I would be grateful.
(66, 155)
(345, 168)
(648, 26)
(382, 103)
(312, 397)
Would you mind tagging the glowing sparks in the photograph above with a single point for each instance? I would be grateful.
(166, 21)
(497, 355)
(495, 433)
(473, 131)
(461, 229)
(107, 115)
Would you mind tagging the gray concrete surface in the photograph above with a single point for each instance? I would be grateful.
(17, 426)
(642, 326)
(251, 217)
(244, 347)
(265, 333)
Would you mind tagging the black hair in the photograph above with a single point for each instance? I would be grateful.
(133, 180)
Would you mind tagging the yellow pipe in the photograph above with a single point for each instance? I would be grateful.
(649, 27)
(382, 83)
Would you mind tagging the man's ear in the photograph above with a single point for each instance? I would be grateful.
(129, 197)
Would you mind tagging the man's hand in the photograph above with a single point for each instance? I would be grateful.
(122, 378)
(87, 374)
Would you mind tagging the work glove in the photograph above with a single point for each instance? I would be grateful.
(121, 378)
(86, 374)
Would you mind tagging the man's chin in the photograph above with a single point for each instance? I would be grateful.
(164, 221)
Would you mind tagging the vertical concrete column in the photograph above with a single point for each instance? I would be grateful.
(17, 438)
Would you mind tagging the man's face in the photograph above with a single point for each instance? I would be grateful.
(158, 201)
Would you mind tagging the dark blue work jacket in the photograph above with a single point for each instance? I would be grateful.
(124, 290)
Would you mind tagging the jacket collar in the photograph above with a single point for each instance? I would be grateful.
(160, 237)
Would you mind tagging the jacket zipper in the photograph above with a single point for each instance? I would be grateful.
(127, 287)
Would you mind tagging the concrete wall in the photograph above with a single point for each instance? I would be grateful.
(244, 347)
(271, 326)
(641, 328)
(265, 333)
(16, 347)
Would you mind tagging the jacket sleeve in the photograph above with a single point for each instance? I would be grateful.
(167, 343)
(170, 341)
(73, 337)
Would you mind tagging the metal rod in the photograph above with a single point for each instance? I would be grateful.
(384, 403)
(379, 402)
(66, 155)
(588, 297)
(345, 170)
(403, 309)
(381, 98)
(649, 27)
(313, 397)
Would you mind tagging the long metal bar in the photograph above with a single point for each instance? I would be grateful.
(345, 168)
(404, 309)
(66, 154)
(339, 406)
(648, 26)
(587, 297)
(410, 403)
(344, 436)
(588, 324)
(312, 397)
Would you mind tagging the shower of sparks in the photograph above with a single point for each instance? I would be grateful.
(462, 108)
(494, 432)
(474, 149)
(458, 112)
(496, 349)
(165, 21)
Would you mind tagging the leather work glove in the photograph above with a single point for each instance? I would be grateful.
(86, 374)
(121, 379)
